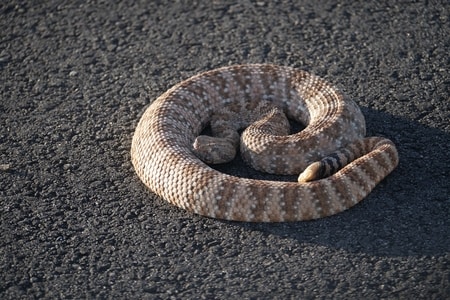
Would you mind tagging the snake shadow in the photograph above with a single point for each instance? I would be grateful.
(407, 214)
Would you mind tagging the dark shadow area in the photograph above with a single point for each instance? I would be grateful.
(406, 214)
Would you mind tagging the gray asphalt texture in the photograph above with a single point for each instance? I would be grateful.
(76, 222)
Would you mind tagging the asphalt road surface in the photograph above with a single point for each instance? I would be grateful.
(76, 222)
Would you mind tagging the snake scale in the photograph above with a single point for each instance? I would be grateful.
(338, 166)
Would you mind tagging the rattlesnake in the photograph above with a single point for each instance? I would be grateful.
(166, 149)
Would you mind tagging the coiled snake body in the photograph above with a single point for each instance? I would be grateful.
(338, 167)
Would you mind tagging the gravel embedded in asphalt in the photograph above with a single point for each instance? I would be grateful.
(76, 222)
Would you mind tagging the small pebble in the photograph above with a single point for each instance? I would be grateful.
(5, 167)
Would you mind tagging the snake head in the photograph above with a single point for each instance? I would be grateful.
(213, 150)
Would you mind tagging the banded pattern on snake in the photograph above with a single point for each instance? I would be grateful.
(338, 166)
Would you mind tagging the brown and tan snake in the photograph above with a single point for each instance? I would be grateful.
(338, 166)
